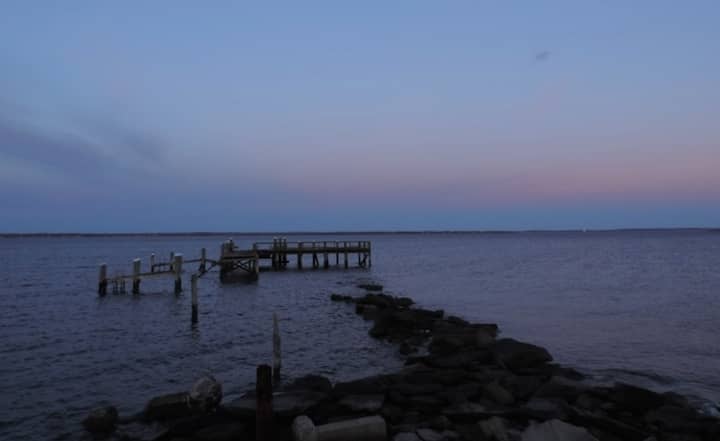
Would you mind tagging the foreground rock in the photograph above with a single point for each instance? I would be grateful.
(102, 420)
(461, 383)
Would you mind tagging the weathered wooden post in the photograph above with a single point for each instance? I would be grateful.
(194, 290)
(102, 279)
(369, 246)
(177, 268)
(152, 262)
(277, 356)
(274, 253)
(316, 262)
(136, 276)
(326, 262)
(337, 254)
(284, 254)
(203, 258)
(170, 262)
(345, 245)
(299, 255)
(264, 408)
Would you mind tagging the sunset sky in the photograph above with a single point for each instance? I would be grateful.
(181, 116)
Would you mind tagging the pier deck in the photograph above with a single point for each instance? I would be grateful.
(276, 254)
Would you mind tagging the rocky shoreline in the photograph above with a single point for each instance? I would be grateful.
(460, 382)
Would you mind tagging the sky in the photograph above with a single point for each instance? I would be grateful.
(171, 116)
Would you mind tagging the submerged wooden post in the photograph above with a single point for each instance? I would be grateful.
(299, 256)
(136, 276)
(337, 254)
(277, 357)
(203, 258)
(194, 290)
(152, 262)
(264, 407)
(172, 259)
(369, 254)
(177, 268)
(345, 247)
(102, 279)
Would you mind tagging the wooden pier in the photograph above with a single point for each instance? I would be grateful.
(233, 260)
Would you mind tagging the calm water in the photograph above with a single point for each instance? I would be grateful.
(639, 306)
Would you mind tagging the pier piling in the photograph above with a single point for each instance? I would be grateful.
(277, 356)
(203, 259)
(102, 280)
(264, 408)
(136, 276)
(177, 269)
(194, 290)
(152, 262)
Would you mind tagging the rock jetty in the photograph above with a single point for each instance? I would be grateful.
(460, 382)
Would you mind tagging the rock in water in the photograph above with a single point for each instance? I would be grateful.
(556, 430)
(515, 355)
(206, 394)
(102, 420)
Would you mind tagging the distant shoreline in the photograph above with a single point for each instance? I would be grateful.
(346, 233)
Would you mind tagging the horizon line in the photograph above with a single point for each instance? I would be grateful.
(361, 232)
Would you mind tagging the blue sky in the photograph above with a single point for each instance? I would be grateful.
(175, 116)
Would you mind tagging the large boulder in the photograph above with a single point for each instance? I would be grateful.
(205, 395)
(316, 383)
(101, 420)
(556, 430)
(168, 407)
(635, 399)
(516, 355)
(363, 403)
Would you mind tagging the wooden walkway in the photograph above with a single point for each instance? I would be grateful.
(248, 262)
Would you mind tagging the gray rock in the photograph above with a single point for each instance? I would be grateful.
(432, 435)
(316, 383)
(545, 409)
(406, 436)
(220, 432)
(494, 429)
(498, 393)
(168, 406)
(635, 399)
(515, 355)
(371, 385)
(556, 430)
(101, 420)
(440, 423)
(363, 403)
(561, 387)
(295, 403)
(206, 394)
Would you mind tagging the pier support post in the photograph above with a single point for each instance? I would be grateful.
(345, 247)
(171, 261)
(299, 256)
(274, 254)
(203, 258)
(102, 280)
(277, 356)
(136, 276)
(369, 254)
(264, 408)
(326, 262)
(194, 290)
(177, 268)
(152, 262)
